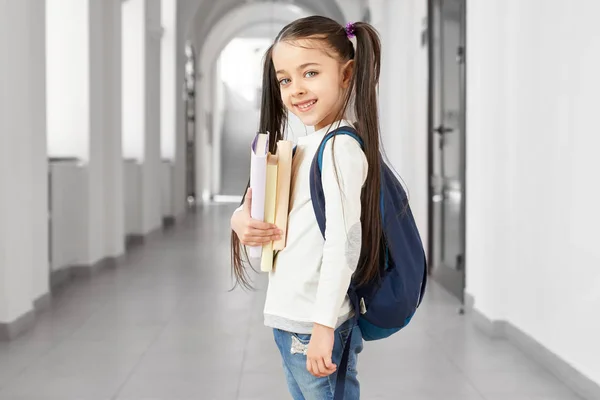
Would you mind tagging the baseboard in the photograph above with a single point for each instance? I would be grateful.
(137, 239)
(86, 271)
(62, 276)
(42, 303)
(494, 329)
(59, 277)
(574, 379)
(133, 240)
(469, 301)
(168, 222)
(11, 330)
(154, 234)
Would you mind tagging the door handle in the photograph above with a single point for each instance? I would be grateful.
(443, 130)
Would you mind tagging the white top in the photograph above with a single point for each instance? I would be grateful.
(311, 275)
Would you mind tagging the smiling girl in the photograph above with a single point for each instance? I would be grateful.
(316, 69)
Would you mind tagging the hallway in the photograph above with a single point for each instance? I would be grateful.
(164, 326)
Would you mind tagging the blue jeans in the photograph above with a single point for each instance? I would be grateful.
(305, 386)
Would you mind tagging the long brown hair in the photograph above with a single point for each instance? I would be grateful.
(363, 90)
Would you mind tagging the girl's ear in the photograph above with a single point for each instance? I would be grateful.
(347, 70)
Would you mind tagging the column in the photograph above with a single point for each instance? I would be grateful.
(107, 222)
(84, 122)
(98, 128)
(141, 30)
(114, 199)
(403, 119)
(179, 181)
(169, 95)
(23, 167)
(152, 211)
(488, 188)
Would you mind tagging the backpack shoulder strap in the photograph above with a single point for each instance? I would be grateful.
(346, 130)
(316, 183)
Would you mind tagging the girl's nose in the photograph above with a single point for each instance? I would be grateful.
(298, 90)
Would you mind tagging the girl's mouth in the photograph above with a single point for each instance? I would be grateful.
(306, 105)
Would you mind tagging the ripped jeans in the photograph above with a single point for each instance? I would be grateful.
(305, 386)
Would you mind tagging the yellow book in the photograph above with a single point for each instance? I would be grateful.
(266, 262)
(284, 180)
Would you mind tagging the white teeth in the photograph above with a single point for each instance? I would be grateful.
(307, 105)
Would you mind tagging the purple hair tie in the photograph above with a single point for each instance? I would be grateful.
(350, 31)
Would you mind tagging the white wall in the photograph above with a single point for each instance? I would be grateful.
(70, 181)
(353, 10)
(68, 65)
(114, 232)
(152, 124)
(403, 97)
(98, 132)
(219, 106)
(166, 187)
(23, 166)
(169, 88)
(83, 87)
(39, 162)
(133, 78)
(141, 87)
(132, 189)
(532, 214)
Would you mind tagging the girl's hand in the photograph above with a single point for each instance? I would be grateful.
(320, 348)
(252, 232)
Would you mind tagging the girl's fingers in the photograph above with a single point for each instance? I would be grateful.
(315, 368)
(329, 365)
(263, 233)
(321, 367)
(258, 241)
(257, 224)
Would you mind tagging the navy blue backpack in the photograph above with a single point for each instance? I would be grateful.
(385, 307)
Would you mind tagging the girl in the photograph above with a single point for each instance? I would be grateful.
(315, 70)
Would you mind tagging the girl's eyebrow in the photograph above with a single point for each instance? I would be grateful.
(281, 71)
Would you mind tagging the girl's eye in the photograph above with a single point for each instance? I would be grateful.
(310, 74)
(284, 81)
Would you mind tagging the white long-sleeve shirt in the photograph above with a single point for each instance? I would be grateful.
(311, 275)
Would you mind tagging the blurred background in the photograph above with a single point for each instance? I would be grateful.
(124, 144)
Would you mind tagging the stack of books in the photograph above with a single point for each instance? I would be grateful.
(270, 180)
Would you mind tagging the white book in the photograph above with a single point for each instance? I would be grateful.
(258, 179)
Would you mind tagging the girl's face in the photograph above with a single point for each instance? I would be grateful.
(312, 81)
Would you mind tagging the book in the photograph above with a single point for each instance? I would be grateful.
(284, 180)
(258, 172)
(266, 264)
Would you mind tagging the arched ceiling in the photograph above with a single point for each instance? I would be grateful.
(200, 17)
(209, 12)
(241, 19)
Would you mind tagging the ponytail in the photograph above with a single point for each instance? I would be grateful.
(367, 66)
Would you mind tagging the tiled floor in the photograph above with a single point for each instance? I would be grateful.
(164, 326)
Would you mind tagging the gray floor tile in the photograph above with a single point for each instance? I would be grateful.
(199, 385)
(263, 385)
(164, 326)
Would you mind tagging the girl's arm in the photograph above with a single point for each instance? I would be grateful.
(343, 237)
